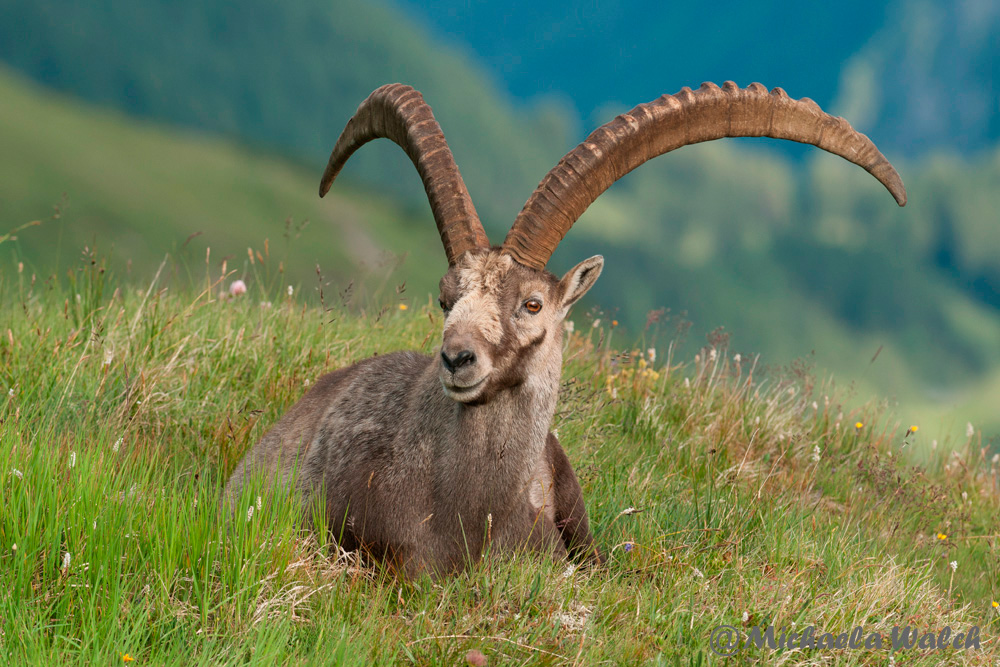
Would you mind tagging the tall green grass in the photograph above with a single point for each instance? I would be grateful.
(720, 494)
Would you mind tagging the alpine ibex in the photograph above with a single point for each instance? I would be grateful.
(425, 459)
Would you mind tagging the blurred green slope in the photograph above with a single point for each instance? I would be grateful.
(139, 190)
(284, 77)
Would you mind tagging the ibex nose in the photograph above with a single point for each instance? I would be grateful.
(461, 359)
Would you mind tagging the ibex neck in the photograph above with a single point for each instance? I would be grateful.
(499, 445)
(515, 421)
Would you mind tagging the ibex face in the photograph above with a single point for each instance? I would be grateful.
(503, 323)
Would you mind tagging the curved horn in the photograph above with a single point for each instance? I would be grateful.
(399, 113)
(672, 121)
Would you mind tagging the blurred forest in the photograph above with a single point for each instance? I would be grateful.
(796, 252)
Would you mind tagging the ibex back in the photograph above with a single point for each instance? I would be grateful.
(426, 461)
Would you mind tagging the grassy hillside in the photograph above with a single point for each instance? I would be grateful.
(815, 264)
(143, 190)
(284, 77)
(822, 286)
(721, 494)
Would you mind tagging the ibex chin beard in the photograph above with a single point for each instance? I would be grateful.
(465, 394)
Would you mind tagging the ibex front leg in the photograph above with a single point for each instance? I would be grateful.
(558, 502)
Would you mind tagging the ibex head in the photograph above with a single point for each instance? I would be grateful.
(503, 322)
(503, 310)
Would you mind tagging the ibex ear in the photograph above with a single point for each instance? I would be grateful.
(578, 281)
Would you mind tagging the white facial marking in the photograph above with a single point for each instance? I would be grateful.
(480, 284)
(480, 313)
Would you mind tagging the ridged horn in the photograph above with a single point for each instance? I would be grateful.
(399, 113)
(672, 121)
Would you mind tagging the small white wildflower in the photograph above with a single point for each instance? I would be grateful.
(249, 513)
(954, 565)
(815, 405)
(737, 358)
(965, 496)
(687, 383)
(17, 473)
(892, 661)
(596, 323)
(698, 573)
(969, 430)
(746, 617)
(237, 287)
(109, 355)
(118, 444)
(307, 382)
(13, 547)
(66, 560)
(568, 326)
(614, 393)
(996, 458)
(816, 454)
(652, 354)
(568, 572)
(756, 421)
(933, 444)
(794, 624)
(79, 299)
(291, 290)
(72, 459)
(258, 503)
(10, 392)
(712, 354)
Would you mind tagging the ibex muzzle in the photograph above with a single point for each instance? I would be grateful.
(427, 461)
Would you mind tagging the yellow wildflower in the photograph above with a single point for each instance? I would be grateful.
(942, 536)
(859, 426)
(127, 658)
(912, 429)
(614, 323)
(996, 604)
(403, 306)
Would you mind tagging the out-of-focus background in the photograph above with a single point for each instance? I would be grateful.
(134, 125)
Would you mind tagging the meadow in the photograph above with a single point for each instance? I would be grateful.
(720, 493)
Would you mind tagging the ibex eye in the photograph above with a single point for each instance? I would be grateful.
(533, 305)
(442, 304)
